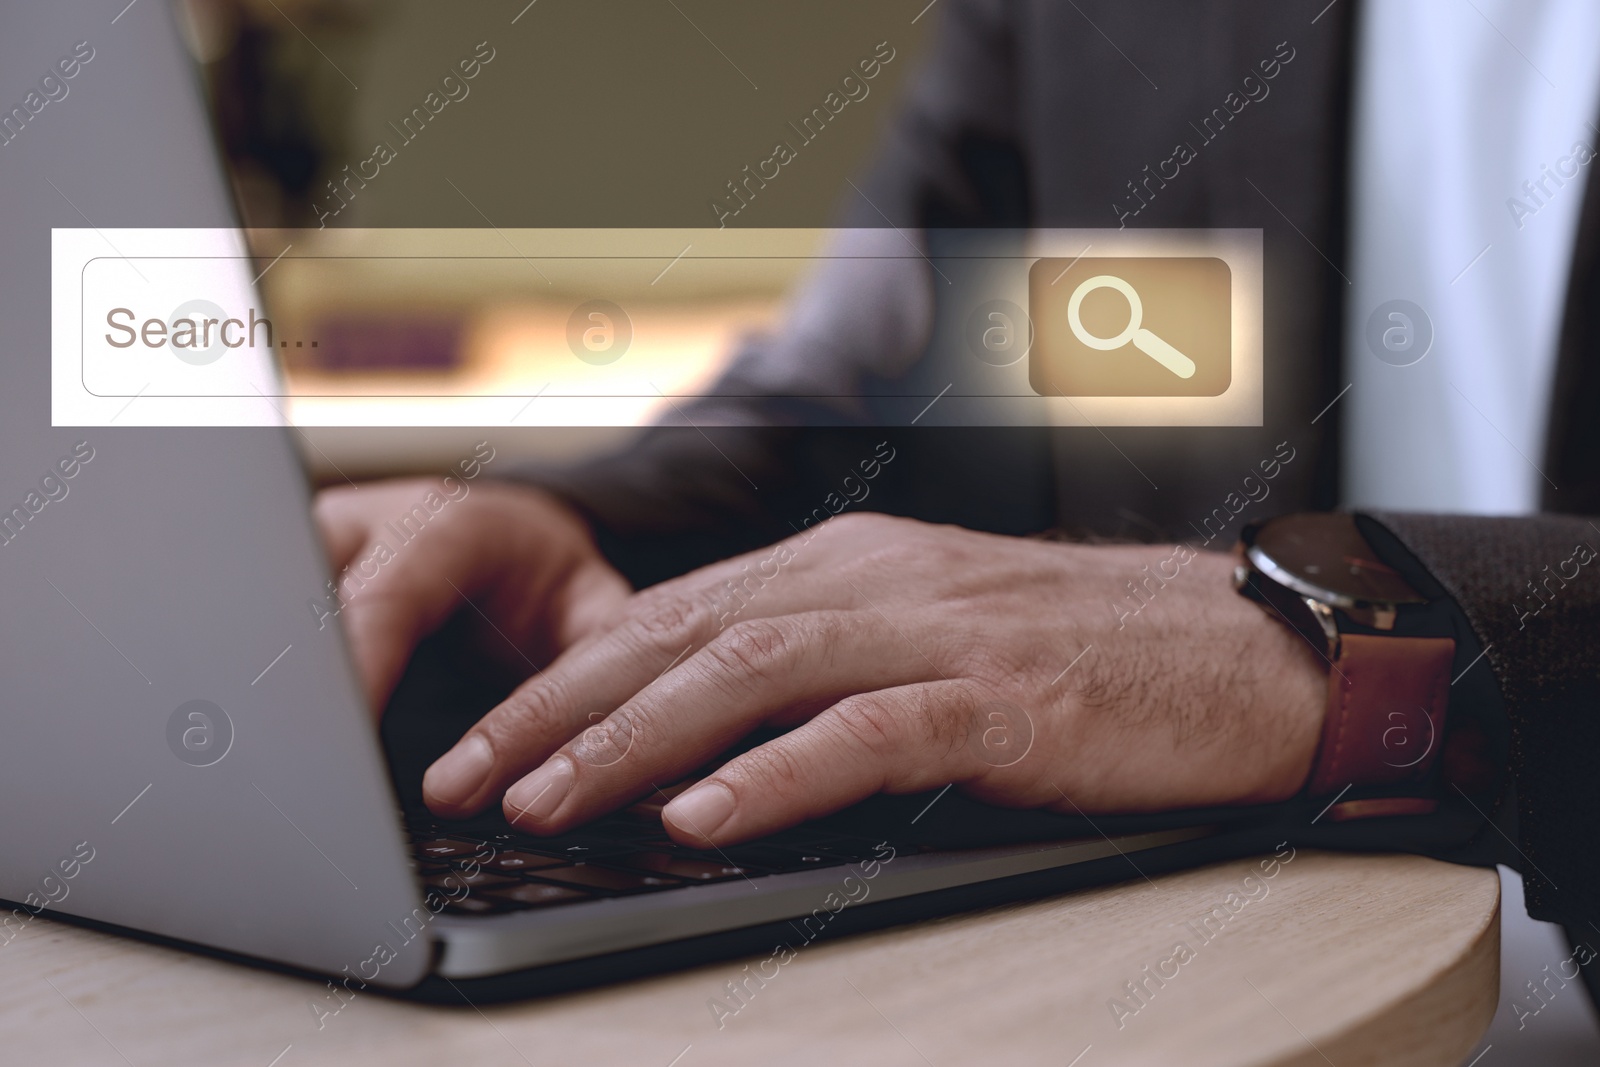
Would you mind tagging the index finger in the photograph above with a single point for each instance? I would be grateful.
(751, 673)
(661, 627)
(596, 676)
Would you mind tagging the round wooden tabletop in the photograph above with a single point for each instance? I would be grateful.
(1315, 959)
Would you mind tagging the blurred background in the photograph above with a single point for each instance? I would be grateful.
(641, 125)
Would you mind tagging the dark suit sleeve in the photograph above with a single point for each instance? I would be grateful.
(741, 467)
(1530, 589)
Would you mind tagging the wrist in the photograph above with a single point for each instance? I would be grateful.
(1388, 661)
(1291, 682)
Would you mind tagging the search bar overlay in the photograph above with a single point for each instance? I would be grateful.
(488, 327)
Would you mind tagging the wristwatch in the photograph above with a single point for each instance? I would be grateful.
(1388, 675)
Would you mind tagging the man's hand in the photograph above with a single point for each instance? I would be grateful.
(906, 656)
(523, 561)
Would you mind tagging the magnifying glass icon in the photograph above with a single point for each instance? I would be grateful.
(1142, 339)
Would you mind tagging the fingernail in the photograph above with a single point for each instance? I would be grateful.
(539, 794)
(701, 810)
(459, 773)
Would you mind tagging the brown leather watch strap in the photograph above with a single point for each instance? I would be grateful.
(1385, 716)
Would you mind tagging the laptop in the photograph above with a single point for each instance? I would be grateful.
(186, 758)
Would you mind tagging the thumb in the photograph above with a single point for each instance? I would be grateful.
(517, 559)
(391, 601)
(588, 603)
(341, 525)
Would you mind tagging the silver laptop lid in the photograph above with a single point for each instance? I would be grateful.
(183, 751)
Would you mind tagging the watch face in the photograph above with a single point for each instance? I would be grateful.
(1323, 555)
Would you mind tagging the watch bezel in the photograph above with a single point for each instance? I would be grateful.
(1289, 580)
(1374, 613)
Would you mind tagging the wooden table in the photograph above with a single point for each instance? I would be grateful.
(1339, 959)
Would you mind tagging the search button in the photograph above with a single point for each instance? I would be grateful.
(1090, 315)
(1145, 341)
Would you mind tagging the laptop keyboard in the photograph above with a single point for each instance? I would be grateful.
(485, 868)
